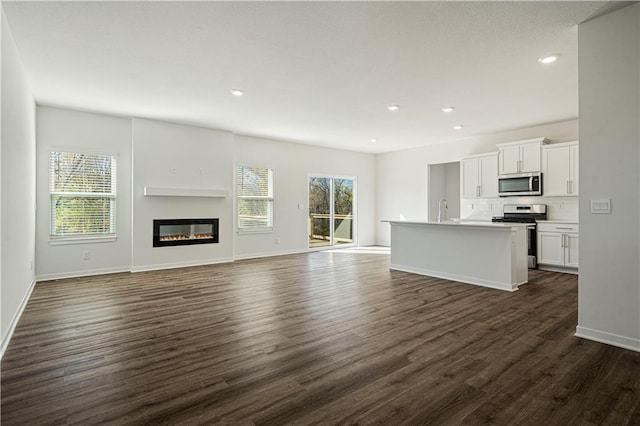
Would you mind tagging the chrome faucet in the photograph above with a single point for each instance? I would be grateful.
(440, 208)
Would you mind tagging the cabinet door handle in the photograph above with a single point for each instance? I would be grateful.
(568, 190)
(570, 187)
(564, 229)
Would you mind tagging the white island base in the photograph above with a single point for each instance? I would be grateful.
(481, 253)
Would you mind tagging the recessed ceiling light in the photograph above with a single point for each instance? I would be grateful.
(393, 107)
(448, 109)
(237, 92)
(458, 126)
(374, 140)
(548, 58)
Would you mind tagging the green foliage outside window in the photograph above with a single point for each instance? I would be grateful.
(83, 192)
(320, 205)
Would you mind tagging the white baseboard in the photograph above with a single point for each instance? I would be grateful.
(269, 254)
(608, 338)
(87, 273)
(14, 321)
(454, 277)
(550, 268)
(160, 266)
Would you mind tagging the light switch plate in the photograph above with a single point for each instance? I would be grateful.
(600, 206)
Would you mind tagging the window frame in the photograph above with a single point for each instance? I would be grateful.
(83, 238)
(268, 198)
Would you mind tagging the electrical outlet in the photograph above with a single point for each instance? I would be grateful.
(278, 240)
(86, 255)
(173, 170)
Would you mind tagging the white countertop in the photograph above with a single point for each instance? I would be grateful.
(567, 222)
(461, 223)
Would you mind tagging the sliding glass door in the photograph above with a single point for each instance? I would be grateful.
(331, 211)
(342, 211)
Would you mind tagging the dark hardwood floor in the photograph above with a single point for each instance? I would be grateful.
(319, 338)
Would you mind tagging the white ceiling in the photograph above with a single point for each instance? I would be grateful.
(313, 72)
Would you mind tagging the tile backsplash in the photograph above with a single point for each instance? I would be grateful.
(558, 208)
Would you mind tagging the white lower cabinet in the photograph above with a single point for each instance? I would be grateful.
(571, 250)
(558, 245)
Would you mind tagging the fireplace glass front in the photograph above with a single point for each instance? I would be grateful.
(180, 232)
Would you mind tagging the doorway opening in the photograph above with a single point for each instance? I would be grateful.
(443, 182)
(331, 211)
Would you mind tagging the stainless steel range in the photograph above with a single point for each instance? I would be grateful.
(525, 213)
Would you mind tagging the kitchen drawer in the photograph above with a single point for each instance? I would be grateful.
(558, 227)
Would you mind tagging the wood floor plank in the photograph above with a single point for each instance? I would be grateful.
(318, 338)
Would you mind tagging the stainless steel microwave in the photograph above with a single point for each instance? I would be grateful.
(520, 184)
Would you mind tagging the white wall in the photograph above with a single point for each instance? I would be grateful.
(178, 156)
(18, 187)
(156, 153)
(401, 177)
(69, 130)
(452, 189)
(3, 334)
(437, 189)
(292, 164)
(609, 82)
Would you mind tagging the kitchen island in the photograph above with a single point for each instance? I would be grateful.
(474, 252)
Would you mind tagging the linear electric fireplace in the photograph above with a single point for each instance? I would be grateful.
(182, 232)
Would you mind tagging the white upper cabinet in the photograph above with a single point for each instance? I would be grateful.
(469, 174)
(560, 169)
(509, 159)
(575, 170)
(520, 156)
(479, 176)
(489, 176)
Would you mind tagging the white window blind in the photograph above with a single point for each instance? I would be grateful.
(83, 194)
(254, 192)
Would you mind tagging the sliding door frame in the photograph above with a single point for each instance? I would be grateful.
(354, 212)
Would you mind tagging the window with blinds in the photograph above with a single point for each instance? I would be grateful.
(254, 192)
(83, 194)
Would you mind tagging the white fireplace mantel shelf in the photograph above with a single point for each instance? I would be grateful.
(156, 191)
